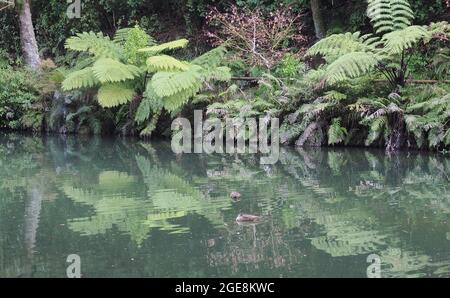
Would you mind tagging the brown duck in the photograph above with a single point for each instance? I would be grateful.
(247, 218)
(235, 195)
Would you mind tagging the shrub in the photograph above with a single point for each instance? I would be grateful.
(17, 100)
(254, 37)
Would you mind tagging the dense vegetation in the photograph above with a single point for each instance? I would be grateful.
(377, 77)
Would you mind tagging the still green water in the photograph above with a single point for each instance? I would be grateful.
(134, 209)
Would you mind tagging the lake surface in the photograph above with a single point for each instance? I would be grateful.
(135, 209)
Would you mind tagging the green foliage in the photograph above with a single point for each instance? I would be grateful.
(121, 70)
(396, 42)
(111, 95)
(19, 100)
(94, 43)
(428, 115)
(176, 44)
(389, 15)
(165, 63)
(351, 55)
(352, 65)
(336, 133)
(288, 67)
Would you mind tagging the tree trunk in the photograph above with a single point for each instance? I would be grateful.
(319, 24)
(27, 37)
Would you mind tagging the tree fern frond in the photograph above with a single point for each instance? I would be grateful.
(337, 45)
(81, 110)
(413, 126)
(147, 131)
(108, 70)
(94, 43)
(221, 73)
(334, 95)
(373, 103)
(376, 128)
(151, 103)
(447, 137)
(398, 41)
(438, 104)
(336, 133)
(435, 136)
(166, 84)
(121, 35)
(211, 59)
(389, 15)
(177, 100)
(153, 50)
(351, 65)
(165, 63)
(111, 95)
(80, 79)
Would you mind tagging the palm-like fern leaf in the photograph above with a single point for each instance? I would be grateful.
(167, 84)
(111, 95)
(398, 41)
(336, 133)
(389, 15)
(108, 70)
(121, 35)
(153, 50)
(165, 63)
(337, 45)
(80, 79)
(376, 128)
(94, 43)
(221, 73)
(351, 65)
(211, 58)
(151, 103)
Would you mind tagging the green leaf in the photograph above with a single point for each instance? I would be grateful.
(165, 63)
(80, 79)
(108, 70)
(153, 50)
(111, 95)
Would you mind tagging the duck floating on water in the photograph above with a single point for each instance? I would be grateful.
(235, 195)
(247, 218)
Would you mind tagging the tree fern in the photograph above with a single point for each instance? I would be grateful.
(120, 72)
(351, 55)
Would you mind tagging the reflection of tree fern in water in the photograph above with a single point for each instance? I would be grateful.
(357, 231)
(113, 206)
(172, 194)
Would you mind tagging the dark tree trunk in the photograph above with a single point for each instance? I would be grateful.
(27, 37)
(319, 24)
